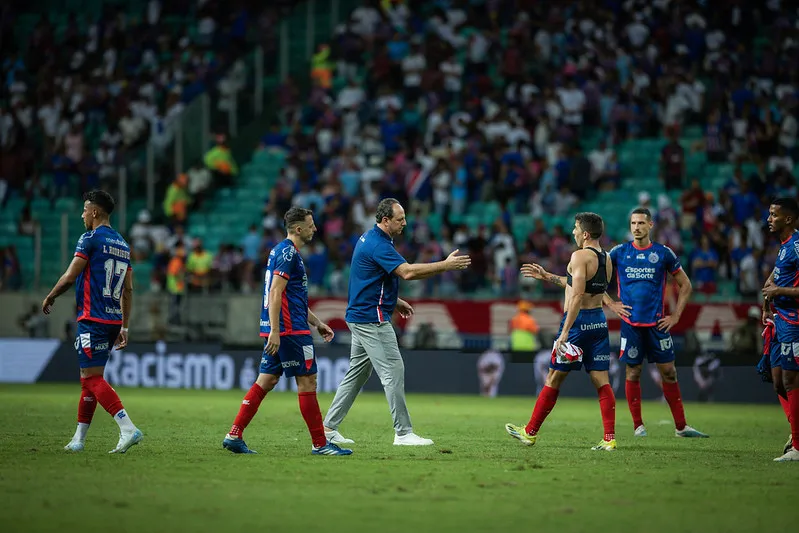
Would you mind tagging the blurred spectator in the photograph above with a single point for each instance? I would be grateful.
(220, 162)
(316, 263)
(177, 200)
(321, 67)
(524, 329)
(61, 166)
(141, 242)
(692, 204)
(27, 224)
(74, 145)
(250, 245)
(672, 162)
(704, 261)
(198, 267)
(200, 181)
(227, 267)
(12, 273)
(176, 283)
(746, 339)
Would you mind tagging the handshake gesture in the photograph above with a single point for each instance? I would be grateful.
(457, 262)
(532, 270)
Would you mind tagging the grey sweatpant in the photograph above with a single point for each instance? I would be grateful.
(373, 345)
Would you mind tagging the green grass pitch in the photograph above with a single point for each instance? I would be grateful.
(476, 478)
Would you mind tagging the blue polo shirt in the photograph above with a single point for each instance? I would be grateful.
(373, 288)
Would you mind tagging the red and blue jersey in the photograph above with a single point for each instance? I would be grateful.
(786, 274)
(285, 261)
(642, 278)
(98, 289)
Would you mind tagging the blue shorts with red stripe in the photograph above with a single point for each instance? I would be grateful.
(638, 342)
(295, 357)
(787, 338)
(94, 342)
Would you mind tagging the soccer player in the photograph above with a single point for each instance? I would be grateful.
(103, 282)
(583, 327)
(642, 271)
(782, 291)
(373, 297)
(288, 347)
(770, 365)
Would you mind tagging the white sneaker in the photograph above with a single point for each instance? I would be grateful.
(74, 446)
(127, 440)
(640, 431)
(689, 432)
(337, 438)
(790, 455)
(411, 439)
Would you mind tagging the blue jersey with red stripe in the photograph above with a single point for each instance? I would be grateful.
(98, 289)
(641, 277)
(285, 261)
(373, 286)
(786, 274)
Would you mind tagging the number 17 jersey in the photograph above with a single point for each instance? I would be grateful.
(98, 289)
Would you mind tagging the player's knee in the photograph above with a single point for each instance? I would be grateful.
(633, 372)
(790, 380)
(668, 373)
(779, 388)
(599, 379)
(267, 381)
(555, 378)
(306, 383)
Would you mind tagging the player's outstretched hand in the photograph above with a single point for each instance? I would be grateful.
(533, 270)
(325, 331)
(47, 305)
(404, 308)
(621, 310)
(272, 343)
(122, 339)
(457, 262)
(667, 322)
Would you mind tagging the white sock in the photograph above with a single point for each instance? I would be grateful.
(124, 422)
(80, 433)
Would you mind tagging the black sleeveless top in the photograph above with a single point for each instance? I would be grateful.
(598, 284)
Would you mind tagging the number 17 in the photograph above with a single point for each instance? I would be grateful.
(114, 268)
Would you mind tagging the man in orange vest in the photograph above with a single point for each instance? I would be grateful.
(524, 329)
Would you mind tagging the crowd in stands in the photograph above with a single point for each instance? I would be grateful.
(448, 103)
(477, 102)
(76, 99)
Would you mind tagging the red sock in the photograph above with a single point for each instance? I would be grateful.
(249, 406)
(672, 393)
(632, 390)
(607, 405)
(309, 407)
(793, 400)
(105, 394)
(543, 406)
(87, 405)
(785, 407)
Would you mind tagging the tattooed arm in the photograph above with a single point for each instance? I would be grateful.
(532, 270)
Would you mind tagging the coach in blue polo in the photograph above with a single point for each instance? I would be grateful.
(373, 297)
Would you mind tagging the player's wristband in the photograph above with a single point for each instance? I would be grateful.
(124, 330)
